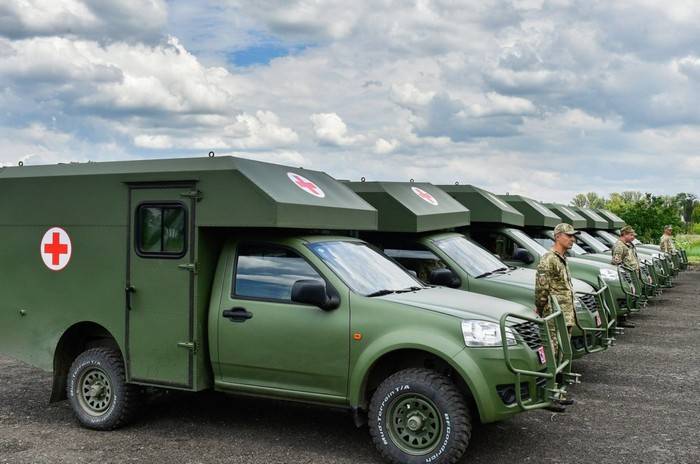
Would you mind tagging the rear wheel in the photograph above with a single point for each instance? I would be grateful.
(418, 416)
(97, 390)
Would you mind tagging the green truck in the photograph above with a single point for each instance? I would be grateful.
(234, 275)
(655, 267)
(498, 227)
(421, 236)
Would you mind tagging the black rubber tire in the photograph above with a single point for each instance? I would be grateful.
(124, 397)
(451, 405)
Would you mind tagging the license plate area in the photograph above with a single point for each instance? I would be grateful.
(598, 321)
(541, 355)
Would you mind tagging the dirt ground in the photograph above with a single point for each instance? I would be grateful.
(640, 402)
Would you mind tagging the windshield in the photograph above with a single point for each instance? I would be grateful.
(363, 269)
(473, 259)
(593, 242)
(524, 239)
(547, 242)
(611, 238)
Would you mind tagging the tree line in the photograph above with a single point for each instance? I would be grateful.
(648, 213)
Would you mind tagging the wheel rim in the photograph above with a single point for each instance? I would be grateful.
(415, 424)
(95, 395)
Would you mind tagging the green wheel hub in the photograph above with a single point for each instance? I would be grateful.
(415, 424)
(95, 395)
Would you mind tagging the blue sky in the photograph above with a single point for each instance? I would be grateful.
(545, 98)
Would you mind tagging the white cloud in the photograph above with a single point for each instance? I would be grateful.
(383, 146)
(330, 129)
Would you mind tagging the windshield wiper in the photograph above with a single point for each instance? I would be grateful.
(409, 289)
(381, 293)
(485, 274)
(501, 269)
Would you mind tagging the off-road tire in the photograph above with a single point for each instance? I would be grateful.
(433, 389)
(117, 406)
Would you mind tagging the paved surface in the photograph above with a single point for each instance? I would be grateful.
(640, 402)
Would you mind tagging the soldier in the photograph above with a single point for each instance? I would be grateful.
(554, 279)
(667, 245)
(624, 253)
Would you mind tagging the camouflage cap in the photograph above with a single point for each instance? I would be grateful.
(627, 230)
(565, 228)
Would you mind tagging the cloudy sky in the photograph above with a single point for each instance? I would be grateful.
(546, 98)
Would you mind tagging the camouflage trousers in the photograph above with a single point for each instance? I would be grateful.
(552, 329)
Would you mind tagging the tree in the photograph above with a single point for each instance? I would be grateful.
(687, 203)
(588, 200)
(649, 215)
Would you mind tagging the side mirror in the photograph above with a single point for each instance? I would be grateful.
(524, 256)
(444, 278)
(314, 292)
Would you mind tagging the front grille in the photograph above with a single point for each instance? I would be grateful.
(530, 333)
(626, 276)
(589, 301)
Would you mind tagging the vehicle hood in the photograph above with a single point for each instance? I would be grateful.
(525, 277)
(593, 264)
(459, 303)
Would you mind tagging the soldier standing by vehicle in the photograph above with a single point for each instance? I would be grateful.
(667, 245)
(624, 253)
(554, 280)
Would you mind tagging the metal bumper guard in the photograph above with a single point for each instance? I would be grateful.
(551, 390)
(602, 337)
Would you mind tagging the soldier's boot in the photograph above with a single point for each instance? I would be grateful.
(626, 323)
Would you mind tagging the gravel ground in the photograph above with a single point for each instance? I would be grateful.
(639, 402)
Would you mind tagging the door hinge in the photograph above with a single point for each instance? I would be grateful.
(188, 345)
(194, 194)
(192, 267)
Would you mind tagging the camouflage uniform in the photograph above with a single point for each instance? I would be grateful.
(667, 245)
(554, 279)
(625, 253)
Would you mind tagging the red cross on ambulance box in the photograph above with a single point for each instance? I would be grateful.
(425, 195)
(56, 249)
(306, 185)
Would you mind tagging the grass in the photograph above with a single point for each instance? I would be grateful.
(691, 243)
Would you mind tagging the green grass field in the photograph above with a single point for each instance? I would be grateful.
(691, 243)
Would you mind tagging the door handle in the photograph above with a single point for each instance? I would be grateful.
(237, 314)
(128, 291)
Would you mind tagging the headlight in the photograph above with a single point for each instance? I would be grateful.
(608, 274)
(578, 306)
(482, 333)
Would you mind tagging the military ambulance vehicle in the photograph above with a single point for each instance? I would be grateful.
(497, 227)
(588, 247)
(416, 228)
(652, 263)
(230, 275)
(615, 223)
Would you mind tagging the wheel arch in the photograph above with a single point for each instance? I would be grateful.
(76, 339)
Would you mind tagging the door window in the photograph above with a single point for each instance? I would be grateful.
(268, 271)
(161, 230)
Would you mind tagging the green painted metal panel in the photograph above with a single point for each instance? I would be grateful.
(536, 214)
(567, 214)
(614, 221)
(593, 219)
(239, 192)
(412, 207)
(484, 206)
(161, 310)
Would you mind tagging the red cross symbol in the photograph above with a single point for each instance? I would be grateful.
(306, 185)
(56, 249)
(425, 195)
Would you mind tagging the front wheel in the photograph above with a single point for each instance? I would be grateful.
(97, 390)
(419, 416)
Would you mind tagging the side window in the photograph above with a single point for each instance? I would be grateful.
(268, 271)
(420, 261)
(161, 230)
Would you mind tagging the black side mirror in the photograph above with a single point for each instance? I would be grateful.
(314, 292)
(524, 256)
(444, 277)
